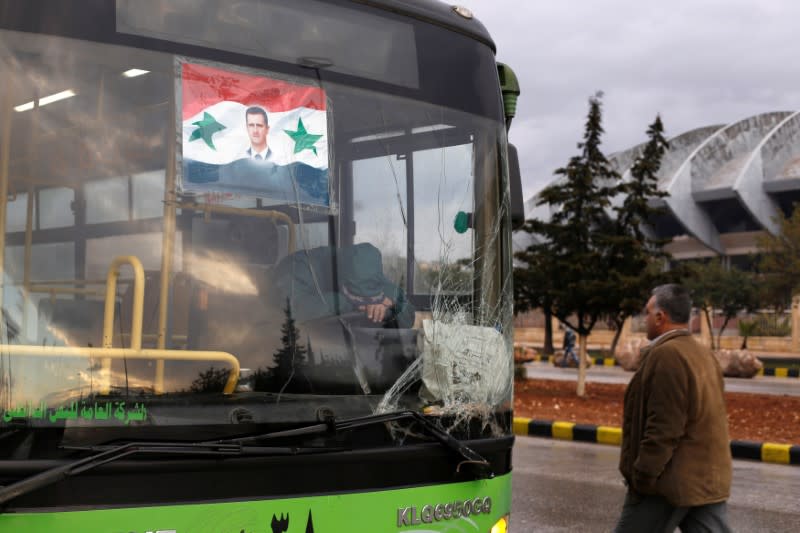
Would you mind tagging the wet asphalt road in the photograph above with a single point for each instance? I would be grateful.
(598, 374)
(563, 486)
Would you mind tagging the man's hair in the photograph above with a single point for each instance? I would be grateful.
(675, 301)
(255, 110)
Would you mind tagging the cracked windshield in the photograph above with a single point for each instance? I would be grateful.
(189, 242)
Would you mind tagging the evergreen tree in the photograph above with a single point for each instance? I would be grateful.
(290, 359)
(263, 379)
(592, 260)
(575, 241)
(533, 284)
(636, 258)
(636, 211)
(211, 380)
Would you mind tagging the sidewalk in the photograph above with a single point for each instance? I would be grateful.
(774, 385)
(789, 367)
(777, 355)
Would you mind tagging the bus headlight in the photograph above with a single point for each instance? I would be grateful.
(501, 526)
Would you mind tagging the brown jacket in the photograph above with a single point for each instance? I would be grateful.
(675, 431)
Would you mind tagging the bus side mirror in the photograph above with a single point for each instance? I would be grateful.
(509, 88)
(515, 184)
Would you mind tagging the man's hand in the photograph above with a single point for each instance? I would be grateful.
(644, 483)
(377, 312)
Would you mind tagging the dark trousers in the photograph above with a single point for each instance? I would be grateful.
(641, 513)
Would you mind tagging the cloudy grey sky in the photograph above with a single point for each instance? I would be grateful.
(696, 62)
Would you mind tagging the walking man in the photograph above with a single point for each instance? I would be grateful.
(675, 455)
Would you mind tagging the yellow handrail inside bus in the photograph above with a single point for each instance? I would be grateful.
(52, 287)
(138, 301)
(76, 282)
(126, 353)
(108, 315)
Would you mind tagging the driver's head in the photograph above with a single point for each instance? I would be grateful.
(361, 272)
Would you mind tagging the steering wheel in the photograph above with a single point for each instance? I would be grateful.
(358, 319)
(354, 319)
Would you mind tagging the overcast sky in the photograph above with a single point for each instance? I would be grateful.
(696, 62)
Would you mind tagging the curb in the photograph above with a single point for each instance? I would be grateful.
(779, 372)
(600, 361)
(767, 452)
(605, 361)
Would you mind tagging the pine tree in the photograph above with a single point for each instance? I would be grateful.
(533, 284)
(573, 252)
(211, 380)
(290, 359)
(637, 258)
(636, 211)
(263, 379)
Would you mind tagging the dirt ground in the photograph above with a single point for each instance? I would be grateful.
(756, 417)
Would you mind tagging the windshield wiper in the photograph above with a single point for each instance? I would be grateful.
(107, 454)
(243, 446)
(331, 426)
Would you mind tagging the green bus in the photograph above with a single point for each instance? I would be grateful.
(256, 267)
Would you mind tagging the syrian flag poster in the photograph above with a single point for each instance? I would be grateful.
(252, 135)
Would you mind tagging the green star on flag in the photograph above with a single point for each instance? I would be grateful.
(206, 129)
(302, 139)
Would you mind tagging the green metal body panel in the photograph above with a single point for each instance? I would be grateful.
(416, 509)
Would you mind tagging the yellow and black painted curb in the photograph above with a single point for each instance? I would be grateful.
(767, 452)
(568, 431)
(540, 359)
(740, 449)
(779, 372)
(605, 361)
(600, 361)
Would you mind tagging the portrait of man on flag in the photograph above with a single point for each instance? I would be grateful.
(253, 136)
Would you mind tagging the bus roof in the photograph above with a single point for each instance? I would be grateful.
(436, 12)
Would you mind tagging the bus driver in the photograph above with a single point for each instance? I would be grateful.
(306, 279)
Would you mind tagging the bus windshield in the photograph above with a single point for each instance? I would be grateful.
(251, 234)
